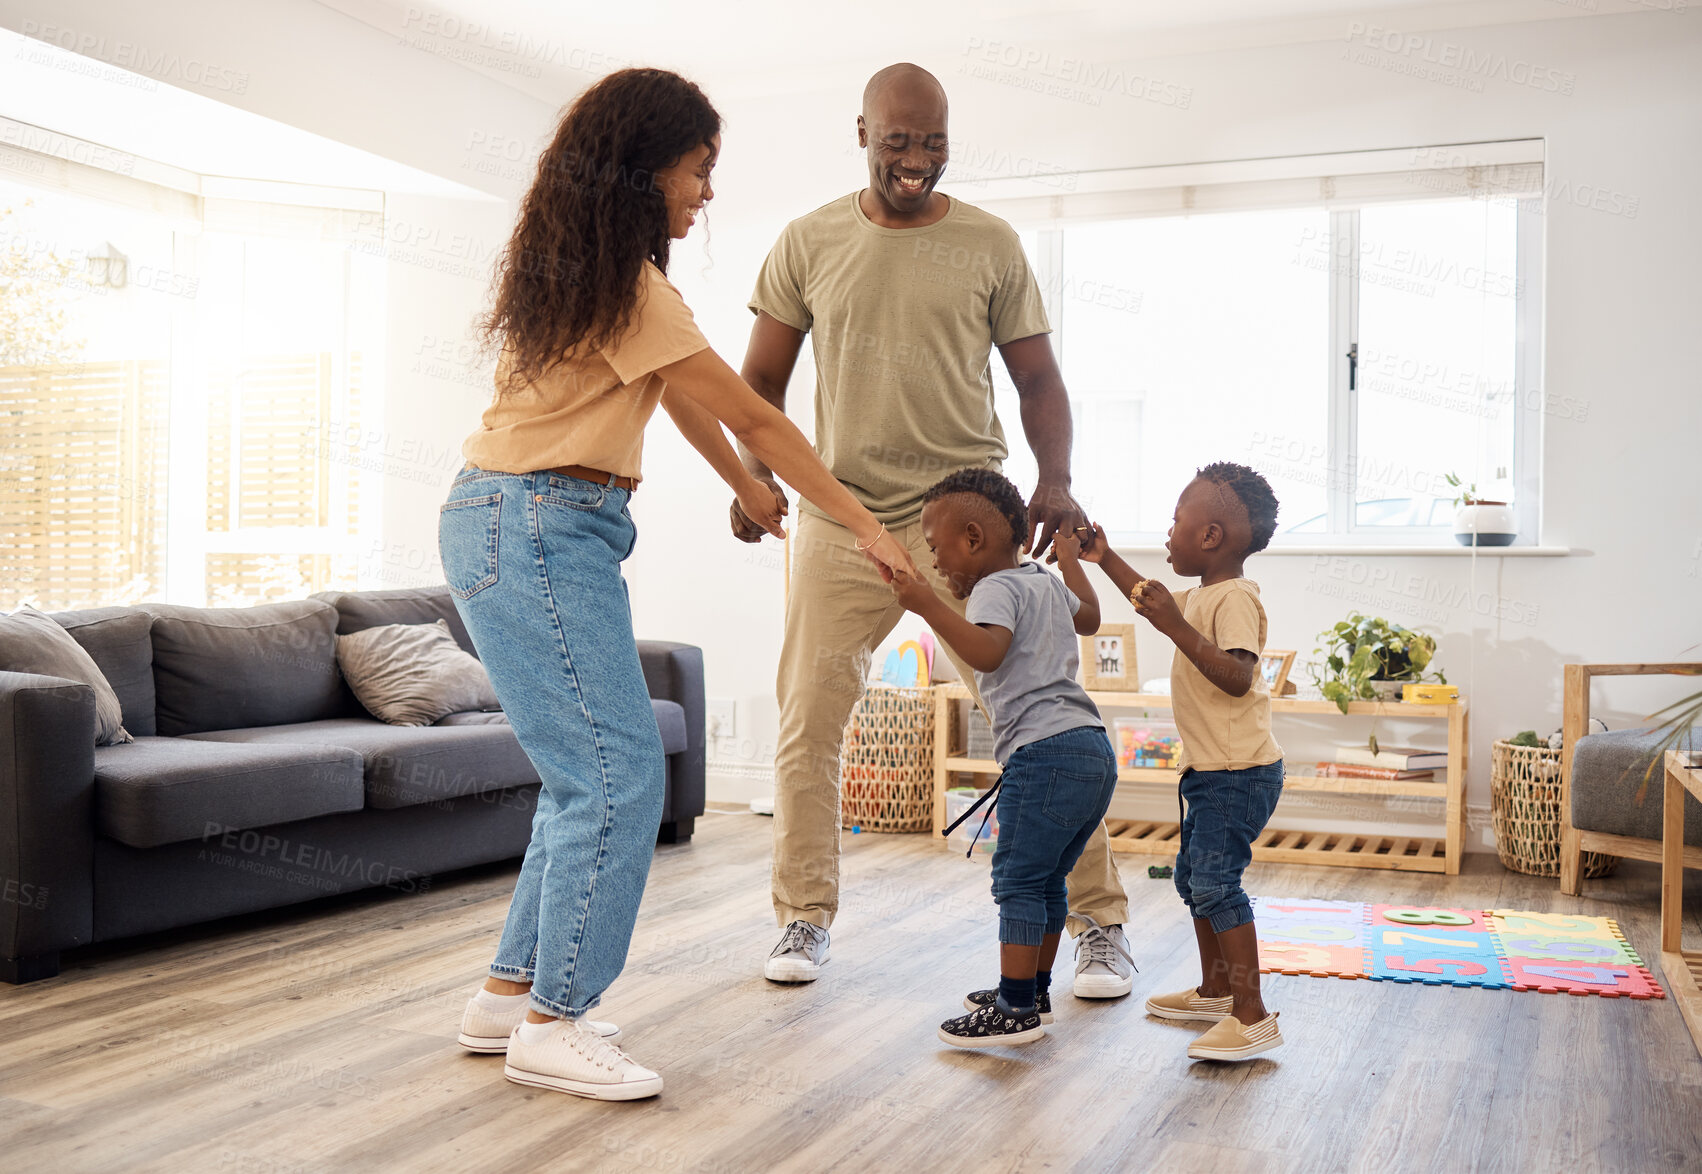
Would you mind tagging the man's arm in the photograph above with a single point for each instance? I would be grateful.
(769, 359)
(1046, 424)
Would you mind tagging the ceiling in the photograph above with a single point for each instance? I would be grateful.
(756, 48)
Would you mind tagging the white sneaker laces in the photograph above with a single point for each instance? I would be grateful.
(599, 1051)
(800, 937)
(1101, 947)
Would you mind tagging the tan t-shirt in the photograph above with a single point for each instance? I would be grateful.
(591, 410)
(1220, 732)
(902, 322)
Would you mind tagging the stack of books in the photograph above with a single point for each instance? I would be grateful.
(1388, 762)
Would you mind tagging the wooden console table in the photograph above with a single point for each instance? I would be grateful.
(1440, 853)
(1683, 968)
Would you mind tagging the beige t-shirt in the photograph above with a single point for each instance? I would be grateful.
(902, 322)
(591, 410)
(1220, 732)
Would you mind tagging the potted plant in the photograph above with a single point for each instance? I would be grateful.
(1369, 659)
(1480, 522)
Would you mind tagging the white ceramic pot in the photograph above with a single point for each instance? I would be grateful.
(1487, 523)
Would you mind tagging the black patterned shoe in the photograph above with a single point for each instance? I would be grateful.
(977, 999)
(990, 1027)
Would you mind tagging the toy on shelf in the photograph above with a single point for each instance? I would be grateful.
(1147, 742)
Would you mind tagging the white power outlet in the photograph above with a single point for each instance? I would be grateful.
(719, 717)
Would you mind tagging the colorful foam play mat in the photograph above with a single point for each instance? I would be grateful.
(1493, 948)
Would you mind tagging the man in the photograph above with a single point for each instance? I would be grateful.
(904, 293)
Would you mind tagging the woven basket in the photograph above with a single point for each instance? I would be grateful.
(886, 769)
(1524, 809)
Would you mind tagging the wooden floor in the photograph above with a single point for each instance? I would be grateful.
(322, 1039)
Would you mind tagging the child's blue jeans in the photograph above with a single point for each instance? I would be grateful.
(533, 561)
(1227, 809)
(1052, 795)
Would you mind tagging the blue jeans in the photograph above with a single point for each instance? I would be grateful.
(533, 561)
(1227, 809)
(1052, 795)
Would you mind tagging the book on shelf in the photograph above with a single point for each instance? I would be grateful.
(1393, 757)
(1348, 770)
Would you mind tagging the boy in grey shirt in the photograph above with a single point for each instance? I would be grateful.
(1019, 635)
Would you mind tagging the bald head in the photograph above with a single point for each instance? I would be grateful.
(910, 82)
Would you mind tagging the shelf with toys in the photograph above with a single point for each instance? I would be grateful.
(1440, 853)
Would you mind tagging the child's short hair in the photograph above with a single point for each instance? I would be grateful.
(1255, 495)
(995, 488)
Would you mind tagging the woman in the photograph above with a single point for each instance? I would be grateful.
(535, 528)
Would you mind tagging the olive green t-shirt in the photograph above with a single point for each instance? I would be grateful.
(903, 323)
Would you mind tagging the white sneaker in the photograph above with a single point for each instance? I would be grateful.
(799, 957)
(575, 1059)
(484, 1030)
(1104, 967)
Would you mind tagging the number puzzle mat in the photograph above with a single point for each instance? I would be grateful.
(1493, 948)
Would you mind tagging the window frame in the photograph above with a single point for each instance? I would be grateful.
(1342, 185)
(192, 204)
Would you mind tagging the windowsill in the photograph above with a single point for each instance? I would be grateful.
(1385, 550)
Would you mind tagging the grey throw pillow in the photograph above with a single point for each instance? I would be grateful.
(413, 674)
(33, 642)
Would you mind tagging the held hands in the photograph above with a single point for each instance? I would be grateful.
(1066, 547)
(911, 590)
(1090, 542)
(1050, 511)
(753, 514)
(889, 556)
(1153, 600)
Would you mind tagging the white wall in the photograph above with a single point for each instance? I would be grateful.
(1620, 485)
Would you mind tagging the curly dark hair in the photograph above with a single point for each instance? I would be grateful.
(994, 488)
(1255, 495)
(569, 277)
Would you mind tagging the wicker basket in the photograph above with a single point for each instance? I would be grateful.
(886, 769)
(1524, 809)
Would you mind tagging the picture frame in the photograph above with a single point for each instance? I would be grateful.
(1274, 667)
(1108, 660)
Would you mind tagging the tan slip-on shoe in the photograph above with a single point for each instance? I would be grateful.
(1230, 1039)
(1189, 1004)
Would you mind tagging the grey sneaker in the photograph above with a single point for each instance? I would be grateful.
(799, 957)
(1104, 967)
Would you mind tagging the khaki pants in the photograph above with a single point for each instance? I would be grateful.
(837, 612)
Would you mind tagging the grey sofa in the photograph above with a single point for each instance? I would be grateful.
(256, 779)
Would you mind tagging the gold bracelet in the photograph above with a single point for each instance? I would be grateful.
(872, 541)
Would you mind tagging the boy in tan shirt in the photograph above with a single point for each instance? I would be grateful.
(1231, 767)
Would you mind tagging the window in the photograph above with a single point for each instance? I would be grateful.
(177, 388)
(1355, 351)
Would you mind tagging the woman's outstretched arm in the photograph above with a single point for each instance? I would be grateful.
(707, 380)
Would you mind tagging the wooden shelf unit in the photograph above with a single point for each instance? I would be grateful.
(1440, 853)
(1682, 968)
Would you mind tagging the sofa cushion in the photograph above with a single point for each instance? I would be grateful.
(359, 610)
(406, 766)
(161, 790)
(117, 639)
(1607, 773)
(413, 674)
(32, 641)
(227, 668)
(670, 722)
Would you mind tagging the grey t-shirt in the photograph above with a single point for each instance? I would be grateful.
(1034, 693)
